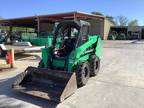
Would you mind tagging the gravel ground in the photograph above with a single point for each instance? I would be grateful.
(119, 84)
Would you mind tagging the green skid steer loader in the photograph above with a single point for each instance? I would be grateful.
(66, 64)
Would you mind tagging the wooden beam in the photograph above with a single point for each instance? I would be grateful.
(75, 16)
(13, 59)
(38, 25)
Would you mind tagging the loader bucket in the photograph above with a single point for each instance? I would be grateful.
(48, 84)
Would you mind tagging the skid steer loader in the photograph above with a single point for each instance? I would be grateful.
(66, 64)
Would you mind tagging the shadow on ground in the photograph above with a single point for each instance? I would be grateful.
(22, 57)
(10, 98)
(6, 69)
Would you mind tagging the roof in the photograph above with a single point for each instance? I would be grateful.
(119, 26)
(50, 18)
(74, 23)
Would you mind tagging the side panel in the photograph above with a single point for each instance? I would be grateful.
(83, 52)
(58, 63)
(71, 61)
(98, 47)
(45, 55)
(97, 43)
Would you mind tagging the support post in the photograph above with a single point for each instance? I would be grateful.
(38, 25)
(10, 33)
(12, 54)
(75, 16)
(10, 28)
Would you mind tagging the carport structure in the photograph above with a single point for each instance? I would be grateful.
(42, 23)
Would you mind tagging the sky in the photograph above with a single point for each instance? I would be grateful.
(133, 9)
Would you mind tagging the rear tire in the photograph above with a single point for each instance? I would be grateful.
(95, 65)
(82, 73)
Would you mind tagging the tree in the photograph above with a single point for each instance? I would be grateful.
(122, 20)
(97, 13)
(118, 21)
(133, 23)
(112, 19)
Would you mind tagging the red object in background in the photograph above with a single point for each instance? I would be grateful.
(9, 57)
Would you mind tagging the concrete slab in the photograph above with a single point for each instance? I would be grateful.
(119, 84)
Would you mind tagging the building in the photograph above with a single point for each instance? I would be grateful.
(131, 32)
(44, 23)
(107, 26)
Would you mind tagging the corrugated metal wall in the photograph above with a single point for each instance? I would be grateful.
(97, 27)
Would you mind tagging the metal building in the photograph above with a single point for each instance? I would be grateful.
(44, 23)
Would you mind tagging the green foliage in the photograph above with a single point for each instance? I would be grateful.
(133, 23)
(97, 13)
(112, 19)
(122, 20)
(118, 21)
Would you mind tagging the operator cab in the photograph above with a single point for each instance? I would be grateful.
(66, 36)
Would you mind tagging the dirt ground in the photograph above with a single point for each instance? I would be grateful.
(119, 84)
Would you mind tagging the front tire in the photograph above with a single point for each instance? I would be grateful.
(95, 65)
(82, 73)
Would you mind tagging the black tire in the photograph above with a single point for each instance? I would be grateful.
(95, 65)
(82, 73)
(2, 53)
